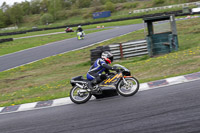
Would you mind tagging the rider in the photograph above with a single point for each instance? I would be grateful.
(100, 65)
(68, 29)
(79, 29)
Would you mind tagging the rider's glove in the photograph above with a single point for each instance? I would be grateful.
(115, 69)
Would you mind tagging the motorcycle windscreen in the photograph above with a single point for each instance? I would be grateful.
(111, 82)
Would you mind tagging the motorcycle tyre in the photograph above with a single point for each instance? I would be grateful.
(130, 94)
(78, 38)
(78, 102)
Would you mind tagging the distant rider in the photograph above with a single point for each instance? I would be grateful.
(79, 29)
(100, 65)
(68, 29)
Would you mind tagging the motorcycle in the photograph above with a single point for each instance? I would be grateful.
(121, 82)
(68, 30)
(80, 35)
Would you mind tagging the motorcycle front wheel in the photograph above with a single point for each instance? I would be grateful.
(79, 95)
(129, 88)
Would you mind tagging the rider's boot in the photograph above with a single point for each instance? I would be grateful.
(82, 36)
(92, 85)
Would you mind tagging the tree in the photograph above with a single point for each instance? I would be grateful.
(26, 7)
(35, 6)
(4, 6)
(66, 4)
(54, 7)
(44, 5)
(3, 19)
(15, 14)
(46, 18)
(84, 3)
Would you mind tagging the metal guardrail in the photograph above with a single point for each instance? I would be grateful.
(166, 7)
(121, 50)
(129, 49)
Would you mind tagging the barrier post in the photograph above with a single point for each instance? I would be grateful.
(121, 50)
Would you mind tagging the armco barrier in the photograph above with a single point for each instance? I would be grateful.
(129, 49)
(167, 7)
(121, 50)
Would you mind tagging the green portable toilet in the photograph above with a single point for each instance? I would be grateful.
(162, 35)
(186, 10)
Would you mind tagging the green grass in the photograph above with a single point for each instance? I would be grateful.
(49, 78)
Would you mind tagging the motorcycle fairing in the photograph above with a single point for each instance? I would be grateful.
(111, 82)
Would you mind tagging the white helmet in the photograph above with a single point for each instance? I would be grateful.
(107, 56)
(79, 26)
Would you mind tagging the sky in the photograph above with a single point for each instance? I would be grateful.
(11, 2)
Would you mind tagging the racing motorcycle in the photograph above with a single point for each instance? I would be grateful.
(68, 29)
(80, 35)
(121, 82)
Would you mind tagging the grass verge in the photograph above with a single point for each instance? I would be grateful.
(49, 78)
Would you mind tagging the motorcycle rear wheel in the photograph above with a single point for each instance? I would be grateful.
(79, 95)
(128, 89)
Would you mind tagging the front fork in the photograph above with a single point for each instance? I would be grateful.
(125, 82)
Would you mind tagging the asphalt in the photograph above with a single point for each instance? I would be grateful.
(66, 100)
(33, 54)
(168, 109)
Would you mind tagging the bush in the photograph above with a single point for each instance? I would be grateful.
(87, 15)
(74, 12)
(110, 6)
(46, 18)
(157, 2)
(130, 5)
(98, 9)
(61, 15)
(84, 3)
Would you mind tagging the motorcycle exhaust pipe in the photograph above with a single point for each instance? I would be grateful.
(79, 85)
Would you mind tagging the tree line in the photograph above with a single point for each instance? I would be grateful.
(52, 10)
(14, 14)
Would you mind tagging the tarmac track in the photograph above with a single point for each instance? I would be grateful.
(33, 54)
(171, 109)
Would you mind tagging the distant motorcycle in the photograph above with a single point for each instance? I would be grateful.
(68, 29)
(122, 82)
(80, 35)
